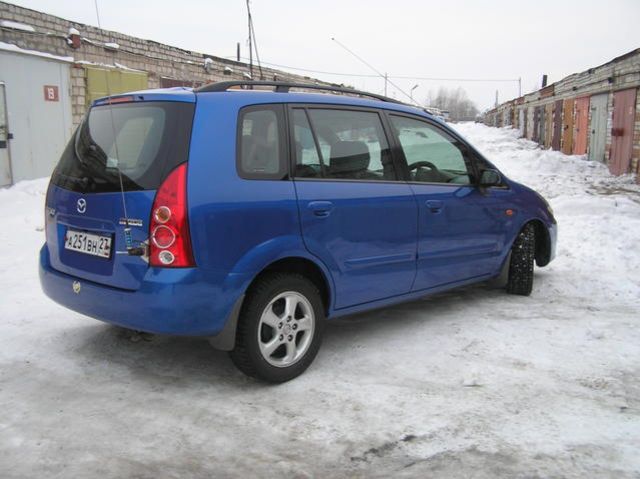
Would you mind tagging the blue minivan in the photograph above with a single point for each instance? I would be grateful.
(249, 213)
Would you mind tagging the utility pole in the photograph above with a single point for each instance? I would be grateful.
(519, 86)
(386, 80)
(238, 52)
(411, 91)
(250, 46)
(496, 98)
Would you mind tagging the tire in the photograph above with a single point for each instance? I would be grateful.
(273, 344)
(523, 254)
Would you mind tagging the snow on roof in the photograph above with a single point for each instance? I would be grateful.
(16, 26)
(112, 46)
(8, 47)
(108, 65)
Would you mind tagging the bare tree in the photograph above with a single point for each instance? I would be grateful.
(456, 101)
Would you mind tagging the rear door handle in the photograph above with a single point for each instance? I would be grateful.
(321, 209)
(435, 206)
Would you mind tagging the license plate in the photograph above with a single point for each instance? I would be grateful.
(88, 243)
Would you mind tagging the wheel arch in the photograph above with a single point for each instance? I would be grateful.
(543, 241)
(305, 267)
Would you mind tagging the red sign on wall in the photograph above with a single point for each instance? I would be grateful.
(51, 93)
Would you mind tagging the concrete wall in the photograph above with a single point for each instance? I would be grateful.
(621, 73)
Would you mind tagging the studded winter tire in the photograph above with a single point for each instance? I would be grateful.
(523, 254)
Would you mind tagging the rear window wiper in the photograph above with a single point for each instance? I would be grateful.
(84, 181)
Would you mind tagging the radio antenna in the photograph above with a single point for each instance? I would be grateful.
(127, 228)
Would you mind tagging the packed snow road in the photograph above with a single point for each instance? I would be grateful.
(474, 383)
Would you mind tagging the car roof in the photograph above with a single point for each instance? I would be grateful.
(251, 97)
(242, 97)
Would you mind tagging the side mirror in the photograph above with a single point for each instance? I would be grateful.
(490, 178)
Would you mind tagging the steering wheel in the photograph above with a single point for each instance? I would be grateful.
(422, 164)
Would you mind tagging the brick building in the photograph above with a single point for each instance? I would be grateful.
(51, 69)
(595, 112)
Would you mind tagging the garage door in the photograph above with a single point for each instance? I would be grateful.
(624, 109)
(104, 82)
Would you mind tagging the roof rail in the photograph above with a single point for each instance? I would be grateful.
(284, 87)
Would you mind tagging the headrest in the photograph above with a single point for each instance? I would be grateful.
(348, 156)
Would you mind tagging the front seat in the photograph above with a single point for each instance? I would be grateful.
(350, 160)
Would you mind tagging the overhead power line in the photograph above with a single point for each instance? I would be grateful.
(380, 74)
(369, 75)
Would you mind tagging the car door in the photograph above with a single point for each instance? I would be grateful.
(356, 215)
(461, 228)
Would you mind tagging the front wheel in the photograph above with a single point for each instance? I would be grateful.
(523, 254)
(279, 329)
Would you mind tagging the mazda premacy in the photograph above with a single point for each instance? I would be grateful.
(250, 213)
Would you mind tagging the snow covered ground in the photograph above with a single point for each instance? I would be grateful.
(473, 383)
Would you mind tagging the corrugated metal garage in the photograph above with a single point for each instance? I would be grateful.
(595, 112)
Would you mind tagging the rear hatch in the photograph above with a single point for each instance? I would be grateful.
(110, 170)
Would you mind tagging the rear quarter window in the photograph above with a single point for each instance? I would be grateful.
(261, 143)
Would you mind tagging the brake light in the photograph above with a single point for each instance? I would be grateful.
(114, 100)
(170, 243)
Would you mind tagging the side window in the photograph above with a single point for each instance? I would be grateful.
(261, 144)
(346, 145)
(432, 155)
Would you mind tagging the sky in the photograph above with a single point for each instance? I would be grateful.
(455, 39)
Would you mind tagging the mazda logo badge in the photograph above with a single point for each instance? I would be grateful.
(76, 287)
(82, 205)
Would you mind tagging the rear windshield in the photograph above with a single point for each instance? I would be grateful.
(138, 142)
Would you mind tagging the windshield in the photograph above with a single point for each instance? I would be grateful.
(140, 142)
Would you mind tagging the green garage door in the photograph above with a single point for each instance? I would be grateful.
(119, 81)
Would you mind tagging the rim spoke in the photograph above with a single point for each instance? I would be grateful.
(291, 352)
(290, 304)
(304, 323)
(271, 346)
(270, 319)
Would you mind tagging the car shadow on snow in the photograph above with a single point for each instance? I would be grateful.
(183, 361)
(156, 359)
(411, 314)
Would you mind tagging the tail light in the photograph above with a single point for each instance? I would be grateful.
(169, 240)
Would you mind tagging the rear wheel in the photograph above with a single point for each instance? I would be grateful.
(523, 254)
(279, 329)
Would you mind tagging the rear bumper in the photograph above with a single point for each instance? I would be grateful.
(180, 302)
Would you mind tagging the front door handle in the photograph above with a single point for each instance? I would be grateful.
(321, 209)
(435, 206)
